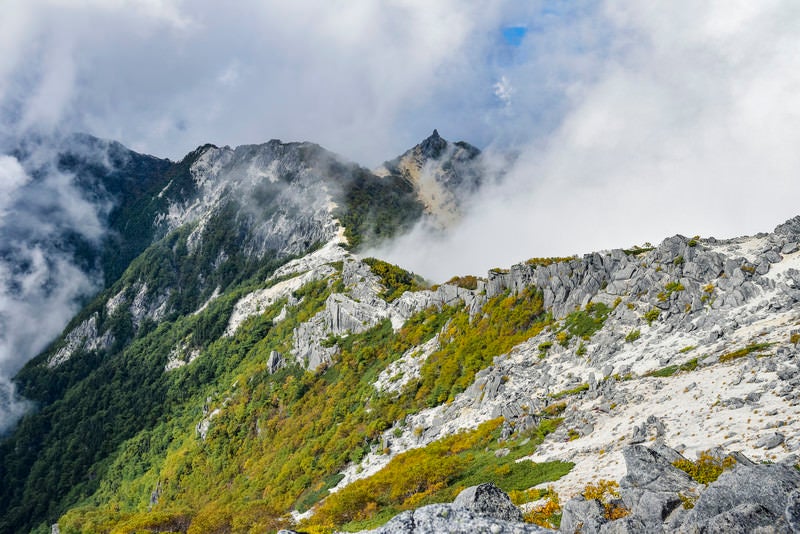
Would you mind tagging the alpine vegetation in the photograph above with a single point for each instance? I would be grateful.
(238, 361)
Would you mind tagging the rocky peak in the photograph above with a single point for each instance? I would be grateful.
(433, 146)
(443, 174)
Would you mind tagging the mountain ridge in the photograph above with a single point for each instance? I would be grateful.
(249, 370)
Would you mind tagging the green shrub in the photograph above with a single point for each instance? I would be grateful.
(670, 370)
(395, 279)
(636, 250)
(584, 323)
(562, 338)
(466, 282)
(706, 469)
(573, 391)
(741, 353)
(633, 335)
(544, 262)
(652, 315)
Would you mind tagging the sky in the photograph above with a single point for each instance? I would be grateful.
(631, 121)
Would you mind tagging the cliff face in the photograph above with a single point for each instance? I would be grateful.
(248, 369)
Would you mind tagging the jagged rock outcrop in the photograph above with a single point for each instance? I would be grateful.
(753, 495)
(83, 337)
(489, 501)
(284, 191)
(658, 497)
(478, 509)
(361, 307)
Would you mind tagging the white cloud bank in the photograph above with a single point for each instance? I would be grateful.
(164, 76)
(633, 120)
(690, 124)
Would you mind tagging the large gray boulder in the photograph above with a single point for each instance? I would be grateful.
(650, 470)
(652, 487)
(581, 515)
(626, 525)
(744, 519)
(489, 501)
(768, 486)
(792, 512)
(479, 509)
(450, 519)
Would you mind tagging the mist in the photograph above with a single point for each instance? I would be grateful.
(630, 122)
(689, 125)
(41, 285)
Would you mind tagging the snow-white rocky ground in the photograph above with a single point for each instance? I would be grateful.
(357, 309)
(732, 294)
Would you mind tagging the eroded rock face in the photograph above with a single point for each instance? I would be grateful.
(792, 512)
(581, 515)
(489, 501)
(765, 488)
(747, 498)
(479, 509)
(648, 470)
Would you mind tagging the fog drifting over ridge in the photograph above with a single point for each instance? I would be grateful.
(690, 127)
(41, 287)
(631, 122)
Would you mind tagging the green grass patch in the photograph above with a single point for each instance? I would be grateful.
(567, 392)
(652, 315)
(637, 250)
(395, 279)
(670, 370)
(633, 335)
(741, 353)
(437, 473)
(669, 289)
(466, 282)
(313, 495)
(584, 323)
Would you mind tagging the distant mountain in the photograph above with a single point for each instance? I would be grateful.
(248, 370)
(158, 240)
(444, 174)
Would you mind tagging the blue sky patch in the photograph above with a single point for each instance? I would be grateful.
(513, 35)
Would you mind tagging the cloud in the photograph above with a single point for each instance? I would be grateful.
(632, 121)
(503, 90)
(685, 119)
(41, 287)
(12, 407)
(166, 76)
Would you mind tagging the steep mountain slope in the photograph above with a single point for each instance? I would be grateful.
(199, 232)
(248, 370)
(410, 396)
